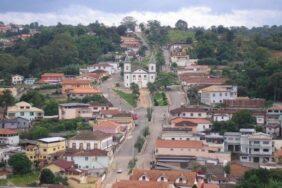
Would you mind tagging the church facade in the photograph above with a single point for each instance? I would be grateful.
(138, 75)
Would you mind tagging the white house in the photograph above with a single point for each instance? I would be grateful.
(17, 79)
(9, 137)
(138, 75)
(24, 110)
(29, 81)
(95, 162)
(217, 93)
(88, 140)
(102, 66)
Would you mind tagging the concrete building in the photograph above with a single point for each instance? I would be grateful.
(24, 110)
(51, 78)
(94, 162)
(29, 81)
(7, 151)
(80, 93)
(75, 110)
(196, 124)
(256, 148)
(138, 75)
(9, 137)
(217, 93)
(18, 123)
(17, 79)
(175, 151)
(190, 112)
(88, 140)
(105, 66)
(71, 84)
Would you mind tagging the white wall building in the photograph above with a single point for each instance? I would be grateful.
(9, 137)
(88, 140)
(102, 66)
(17, 79)
(217, 93)
(24, 110)
(140, 76)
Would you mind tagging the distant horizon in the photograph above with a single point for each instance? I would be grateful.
(201, 13)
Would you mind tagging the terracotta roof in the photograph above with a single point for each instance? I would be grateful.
(208, 185)
(107, 124)
(7, 132)
(201, 80)
(91, 135)
(276, 107)
(94, 152)
(110, 112)
(188, 109)
(179, 144)
(88, 90)
(75, 81)
(171, 175)
(190, 120)
(99, 71)
(139, 184)
(53, 74)
(237, 170)
(217, 88)
(63, 164)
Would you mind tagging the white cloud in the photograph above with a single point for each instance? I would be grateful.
(195, 16)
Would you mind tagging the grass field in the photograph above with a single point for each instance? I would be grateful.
(21, 180)
(160, 99)
(128, 97)
(175, 36)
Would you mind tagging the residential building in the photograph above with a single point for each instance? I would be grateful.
(61, 166)
(183, 151)
(130, 43)
(174, 177)
(88, 140)
(256, 147)
(32, 152)
(232, 142)
(94, 162)
(17, 79)
(9, 137)
(7, 151)
(29, 81)
(244, 102)
(18, 123)
(108, 126)
(75, 110)
(13, 91)
(80, 93)
(189, 80)
(140, 184)
(51, 78)
(102, 66)
(138, 75)
(275, 112)
(169, 133)
(71, 84)
(49, 147)
(217, 93)
(273, 129)
(190, 112)
(24, 110)
(197, 124)
(193, 70)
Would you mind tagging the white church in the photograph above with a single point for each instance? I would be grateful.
(138, 75)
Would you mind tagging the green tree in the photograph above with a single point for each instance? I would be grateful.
(34, 97)
(20, 163)
(243, 119)
(129, 22)
(181, 25)
(51, 107)
(165, 79)
(135, 89)
(6, 99)
(47, 177)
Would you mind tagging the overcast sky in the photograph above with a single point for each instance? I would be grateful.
(196, 12)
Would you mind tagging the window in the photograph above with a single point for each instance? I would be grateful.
(86, 158)
(44, 149)
(226, 94)
(172, 138)
(191, 114)
(143, 177)
(22, 114)
(87, 166)
(265, 150)
(256, 150)
(32, 113)
(213, 94)
(265, 142)
(256, 142)
(88, 146)
(199, 114)
(73, 145)
(80, 145)
(220, 94)
(171, 149)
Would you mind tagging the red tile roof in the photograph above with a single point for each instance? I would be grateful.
(139, 184)
(7, 132)
(75, 81)
(63, 164)
(107, 124)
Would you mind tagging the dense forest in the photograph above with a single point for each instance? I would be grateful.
(249, 58)
(60, 46)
